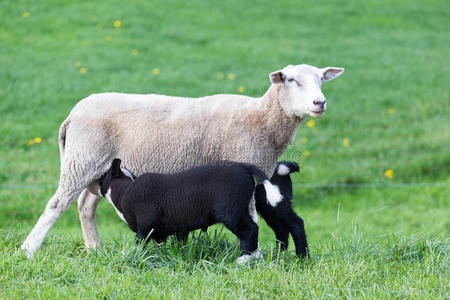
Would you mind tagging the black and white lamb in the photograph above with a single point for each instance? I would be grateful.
(157, 205)
(282, 218)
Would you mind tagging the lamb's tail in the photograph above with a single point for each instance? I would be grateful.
(62, 136)
(273, 194)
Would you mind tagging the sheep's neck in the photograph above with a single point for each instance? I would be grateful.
(279, 127)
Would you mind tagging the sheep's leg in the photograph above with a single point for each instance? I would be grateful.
(87, 205)
(69, 188)
(297, 229)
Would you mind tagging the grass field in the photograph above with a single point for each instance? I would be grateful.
(388, 111)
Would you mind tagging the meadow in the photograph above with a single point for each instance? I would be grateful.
(374, 183)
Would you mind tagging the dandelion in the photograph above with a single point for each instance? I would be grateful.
(304, 140)
(307, 153)
(389, 173)
(241, 89)
(31, 142)
(37, 140)
(391, 111)
(155, 71)
(231, 76)
(346, 142)
(117, 24)
(83, 70)
(77, 64)
(311, 123)
(108, 38)
(25, 15)
(220, 76)
(134, 52)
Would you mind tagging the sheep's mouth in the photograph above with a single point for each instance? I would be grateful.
(319, 112)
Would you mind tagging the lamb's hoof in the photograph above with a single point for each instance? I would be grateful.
(245, 258)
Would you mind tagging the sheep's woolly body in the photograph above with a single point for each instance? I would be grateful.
(154, 133)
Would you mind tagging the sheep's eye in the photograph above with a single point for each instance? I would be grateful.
(293, 80)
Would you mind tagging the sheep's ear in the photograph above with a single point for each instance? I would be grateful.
(330, 73)
(277, 77)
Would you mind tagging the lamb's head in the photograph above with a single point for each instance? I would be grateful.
(115, 172)
(301, 93)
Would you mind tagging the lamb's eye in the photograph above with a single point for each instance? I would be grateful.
(291, 80)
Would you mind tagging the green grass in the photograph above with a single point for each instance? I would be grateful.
(392, 103)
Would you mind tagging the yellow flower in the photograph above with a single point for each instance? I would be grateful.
(37, 140)
(134, 52)
(220, 76)
(389, 173)
(346, 142)
(304, 140)
(241, 89)
(155, 71)
(117, 24)
(391, 111)
(108, 38)
(231, 76)
(311, 123)
(77, 64)
(83, 70)
(25, 15)
(307, 153)
(31, 142)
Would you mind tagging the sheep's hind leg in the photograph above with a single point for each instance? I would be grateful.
(72, 181)
(87, 205)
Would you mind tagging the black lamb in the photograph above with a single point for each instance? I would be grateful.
(158, 205)
(282, 218)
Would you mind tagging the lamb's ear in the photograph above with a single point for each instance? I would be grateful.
(128, 173)
(115, 168)
(277, 77)
(330, 73)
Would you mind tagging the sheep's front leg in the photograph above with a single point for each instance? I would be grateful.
(87, 205)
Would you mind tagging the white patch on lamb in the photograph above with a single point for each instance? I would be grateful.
(283, 170)
(108, 196)
(273, 194)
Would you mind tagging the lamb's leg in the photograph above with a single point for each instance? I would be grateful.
(182, 237)
(87, 205)
(246, 231)
(297, 229)
(282, 236)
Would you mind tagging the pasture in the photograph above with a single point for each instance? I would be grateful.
(374, 183)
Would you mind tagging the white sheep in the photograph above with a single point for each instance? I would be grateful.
(156, 133)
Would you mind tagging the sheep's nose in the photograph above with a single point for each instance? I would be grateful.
(321, 103)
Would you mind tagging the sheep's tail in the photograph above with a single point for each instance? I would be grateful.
(273, 194)
(62, 136)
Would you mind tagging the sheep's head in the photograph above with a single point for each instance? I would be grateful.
(301, 94)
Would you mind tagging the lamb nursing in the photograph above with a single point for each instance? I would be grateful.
(162, 134)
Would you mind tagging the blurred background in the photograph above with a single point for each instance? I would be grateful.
(377, 161)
